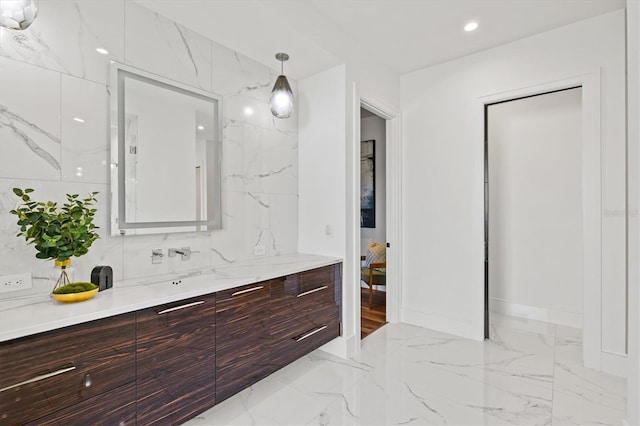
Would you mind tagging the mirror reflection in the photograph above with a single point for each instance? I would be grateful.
(168, 168)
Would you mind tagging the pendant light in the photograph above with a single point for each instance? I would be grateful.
(281, 101)
(18, 14)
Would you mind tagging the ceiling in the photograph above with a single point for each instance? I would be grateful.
(403, 35)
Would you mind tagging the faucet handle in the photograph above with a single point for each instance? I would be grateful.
(156, 256)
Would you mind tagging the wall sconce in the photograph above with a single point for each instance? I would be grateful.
(18, 14)
(281, 101)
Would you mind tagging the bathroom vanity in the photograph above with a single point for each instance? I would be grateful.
(195, 340)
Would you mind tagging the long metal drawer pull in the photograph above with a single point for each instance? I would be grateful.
(38, 378)
(188, 305)
(312, 291)
(311, 333)
(237, 293)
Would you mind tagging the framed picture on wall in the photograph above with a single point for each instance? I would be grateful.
(367, 184)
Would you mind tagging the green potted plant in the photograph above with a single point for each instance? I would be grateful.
(57, 233)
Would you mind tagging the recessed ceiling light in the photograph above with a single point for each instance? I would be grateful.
(471, 26)
(248, 111)
(200, 127)
(102, 51)
(78, 119)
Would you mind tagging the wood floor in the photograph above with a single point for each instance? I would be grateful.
(374, 318)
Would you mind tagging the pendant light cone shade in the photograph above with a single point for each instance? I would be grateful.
(18, 14)
(281, 100)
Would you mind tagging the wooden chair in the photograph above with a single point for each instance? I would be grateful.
(373, 276)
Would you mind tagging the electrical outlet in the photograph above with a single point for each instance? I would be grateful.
(259, 250)
(15, 282)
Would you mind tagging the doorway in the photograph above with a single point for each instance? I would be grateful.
(373, 219)
(533, 209)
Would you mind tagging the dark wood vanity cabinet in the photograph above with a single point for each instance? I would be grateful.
(165, 364)
(262, 327)
(176, 354)
(304, 314)
(242, 338)
(48, 377)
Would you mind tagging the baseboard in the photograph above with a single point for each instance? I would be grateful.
(503, 307)
(613, 363)
(442, 324)
(342, 347)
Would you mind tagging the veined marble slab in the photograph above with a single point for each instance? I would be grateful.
(24, 316)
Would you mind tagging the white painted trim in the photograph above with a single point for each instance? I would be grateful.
(340, 346)
(352, 220)
(571, 319)
(381, 110)
(615, 364)
(591, 201)
(394, 218)
(633, 213)
(393, 199)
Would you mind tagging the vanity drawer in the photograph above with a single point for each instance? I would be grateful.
(176, 360)
(316, 278)
(288, 326)
(288, 294)
(47, 372)
(238, 297)
(288, 349)
(296, 335)
(116, 407)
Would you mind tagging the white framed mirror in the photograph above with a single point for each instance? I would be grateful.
(165, 155)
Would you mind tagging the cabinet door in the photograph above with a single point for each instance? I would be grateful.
(242, 338)
(176, 361)
(116, 407)
(44, 373)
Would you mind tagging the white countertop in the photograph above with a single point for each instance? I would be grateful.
(25, 316)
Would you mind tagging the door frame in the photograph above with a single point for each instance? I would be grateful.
(591, 201)
(393, 152)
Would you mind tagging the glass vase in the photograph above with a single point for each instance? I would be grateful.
(62, 273)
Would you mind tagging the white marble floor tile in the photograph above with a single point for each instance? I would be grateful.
(530, 373)
(503, 322)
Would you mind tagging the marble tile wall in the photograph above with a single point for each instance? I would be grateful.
(51, 74)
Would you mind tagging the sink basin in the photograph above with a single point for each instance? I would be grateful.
(171, 278)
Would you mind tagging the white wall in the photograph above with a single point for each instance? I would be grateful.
(322, 201)
(535, 207)
(52, 73)
(321, 206)
(443, 170)
(375, 128)
(633, 214)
